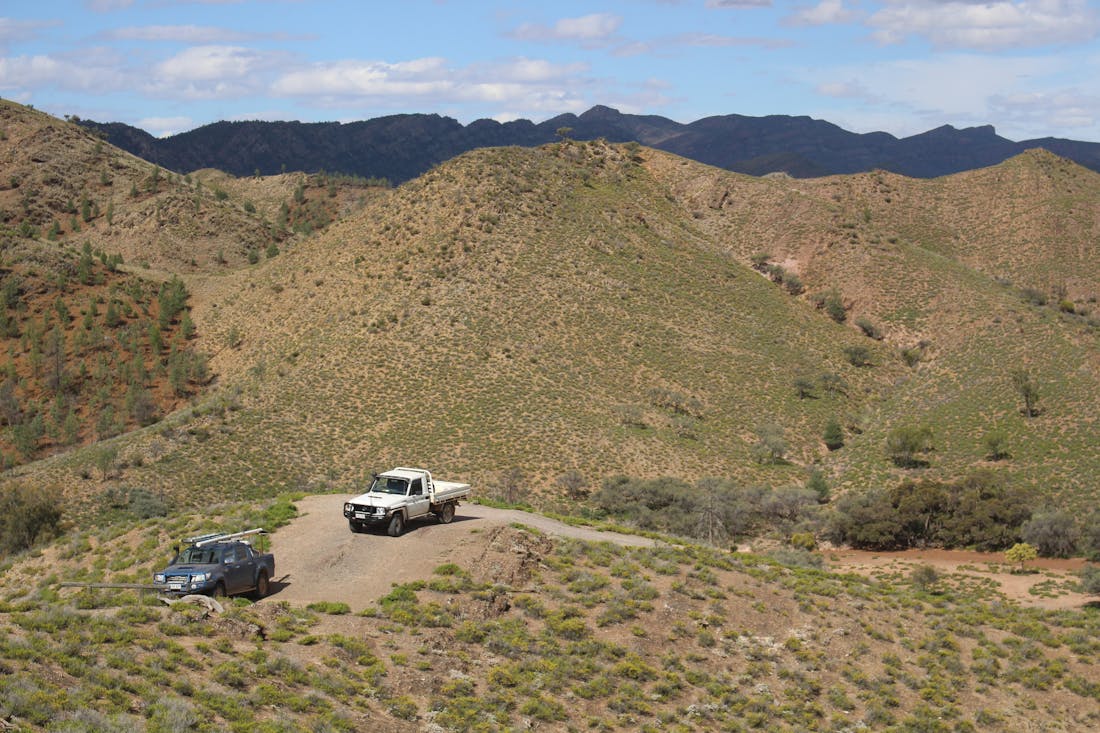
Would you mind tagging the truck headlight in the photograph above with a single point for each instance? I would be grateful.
(347, 508)
(200, 578)
(158, 578)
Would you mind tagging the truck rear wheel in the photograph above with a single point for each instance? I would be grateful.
(447, 513)
(397, 525)
(261, 585)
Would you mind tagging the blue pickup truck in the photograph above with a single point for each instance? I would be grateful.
(218, 565)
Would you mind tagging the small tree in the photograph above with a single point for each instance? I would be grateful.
(995, 442)
(1090, 536)
(564, 132)
(1053, 534)
(105, 460)
(834, 306)
(509, 485)
(770, 446)
(1090, 579)
(905, 442)
(833, 435)
(1022, 553)
(817, 483)
(857, 356)
(27, 516)
(925, 577)
(804, 386)
(574, 483)
(870, 330)
(833, 383)
(1028, 389)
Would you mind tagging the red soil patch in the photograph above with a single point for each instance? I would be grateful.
(1056, 575)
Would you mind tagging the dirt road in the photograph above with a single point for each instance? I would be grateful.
(319, 559)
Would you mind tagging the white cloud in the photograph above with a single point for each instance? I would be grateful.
(844, 90)
(664, 44)
(824, 13)
(12, 30)
(532, 85)
(176, 33)
(165, 126)
(207, 63)
(739, 3)
(1036, 113)
(589, 30)
(105, 6)
(367, 78)
(996, 24)
(963, 89)
(94, 70)
(212, 72)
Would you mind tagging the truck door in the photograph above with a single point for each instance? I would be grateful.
(419, 501)
(238, 569)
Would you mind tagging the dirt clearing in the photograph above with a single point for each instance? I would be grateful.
(317, 558)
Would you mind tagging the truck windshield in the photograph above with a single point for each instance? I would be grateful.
(389, 485)
(198, 556)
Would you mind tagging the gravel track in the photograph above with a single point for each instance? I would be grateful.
(317, 558)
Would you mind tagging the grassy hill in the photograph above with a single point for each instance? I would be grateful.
(515, 314)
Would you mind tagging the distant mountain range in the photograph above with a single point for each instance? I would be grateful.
(401, 147)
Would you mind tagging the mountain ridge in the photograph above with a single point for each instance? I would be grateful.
(401, 147)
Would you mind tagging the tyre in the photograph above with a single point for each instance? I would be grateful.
(219, 591)
(355, 526)
(262, 585)
(447, 513)
(397, 525)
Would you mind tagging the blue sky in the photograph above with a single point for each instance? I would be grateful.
(1031, 68)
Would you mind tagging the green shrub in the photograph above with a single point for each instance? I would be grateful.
(995, 442)
(858, 356)
(334, 608)
(28, 515)
(869, 329)
(1021, 553)
(833, 435)
(906, 442)
(1054, 534)
(803, 541)
(1090, 579)
(770, 446)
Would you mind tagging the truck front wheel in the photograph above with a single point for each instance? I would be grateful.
(447, 513)
(219, 591)
(397, 525)
(355, 526)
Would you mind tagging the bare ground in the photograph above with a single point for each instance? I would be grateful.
(1055, 575)
(319, 559)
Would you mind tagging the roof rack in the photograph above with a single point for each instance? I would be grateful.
(206, 539)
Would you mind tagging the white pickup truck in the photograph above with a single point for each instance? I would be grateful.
(402, 494)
